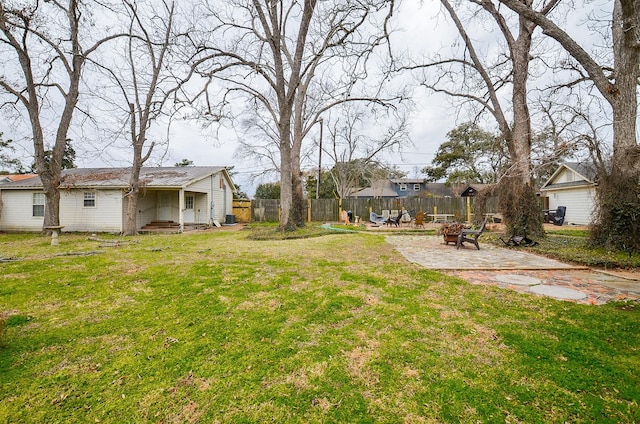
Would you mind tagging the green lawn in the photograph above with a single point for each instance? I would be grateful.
(217, 327)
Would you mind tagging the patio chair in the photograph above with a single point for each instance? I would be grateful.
(376, 219)
(395, 220)
(558, 216)
(555, 216)
(471, 235)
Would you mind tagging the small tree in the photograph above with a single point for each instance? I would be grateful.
(327, 186)
(68, 160)
(268, 191)
(6, 158)
(183, 163)
(472, 155)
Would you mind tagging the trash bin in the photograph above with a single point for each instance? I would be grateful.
(230, 219)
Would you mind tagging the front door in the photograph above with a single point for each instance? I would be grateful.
(164, 207)
(189, 215)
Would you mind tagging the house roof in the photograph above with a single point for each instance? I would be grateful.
(406, 181)
(384, 188)
(379, 188)
(8, 178)
(585, 170)
(155, 177)
(473, 189)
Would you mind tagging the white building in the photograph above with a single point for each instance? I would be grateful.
(572, 185)
(94, 200)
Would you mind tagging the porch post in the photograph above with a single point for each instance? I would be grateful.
(181, 209)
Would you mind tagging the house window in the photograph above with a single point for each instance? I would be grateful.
(38, 204)
(416, 187)
(403, 187)
(89, 199)
(188, 202)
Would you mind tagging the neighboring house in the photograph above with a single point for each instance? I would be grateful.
(473, 189)
(94, 200)
(8, 178)
(572, 185)
(379, 189)
(403, 187)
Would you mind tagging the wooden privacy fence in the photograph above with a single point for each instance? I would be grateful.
(267, 210)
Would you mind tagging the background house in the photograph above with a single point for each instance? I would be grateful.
(572, 185)
(94, 200)
(403, 187)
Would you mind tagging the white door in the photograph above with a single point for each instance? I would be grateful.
(189, 215)
(164, 207)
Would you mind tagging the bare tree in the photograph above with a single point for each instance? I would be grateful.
(45, 41)
(144, 83)
(616, 79)
(476, 80)
(273, 57)
(355, 149)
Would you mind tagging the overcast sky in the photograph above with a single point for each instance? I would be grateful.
(420, 30)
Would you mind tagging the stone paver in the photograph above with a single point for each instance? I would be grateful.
(519, 270)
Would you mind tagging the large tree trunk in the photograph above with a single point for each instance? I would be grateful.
(51, 185)
(521, 210)
(624, 98)
(617, 219)
(286, 187)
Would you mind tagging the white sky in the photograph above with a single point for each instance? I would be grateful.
(420, 29)
(431, 120)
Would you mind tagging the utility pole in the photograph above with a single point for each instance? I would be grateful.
(319, 161)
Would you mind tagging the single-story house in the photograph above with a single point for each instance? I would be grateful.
(94, 200)
(572, 185)
(9, 178)
(403, 187)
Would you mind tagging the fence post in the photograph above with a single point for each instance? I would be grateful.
(309, 210)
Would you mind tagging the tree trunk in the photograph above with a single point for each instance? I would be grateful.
(521, 212)
(131, 224)
(286, 187)
(617, 218)
(618, 206)
(51, 184)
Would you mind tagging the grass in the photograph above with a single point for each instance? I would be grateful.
(572, 246)
(216, 327)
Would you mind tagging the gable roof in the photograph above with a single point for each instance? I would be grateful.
(155, 177)
(585, 170)
(473, 189)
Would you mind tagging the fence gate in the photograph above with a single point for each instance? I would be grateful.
(242, 210)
